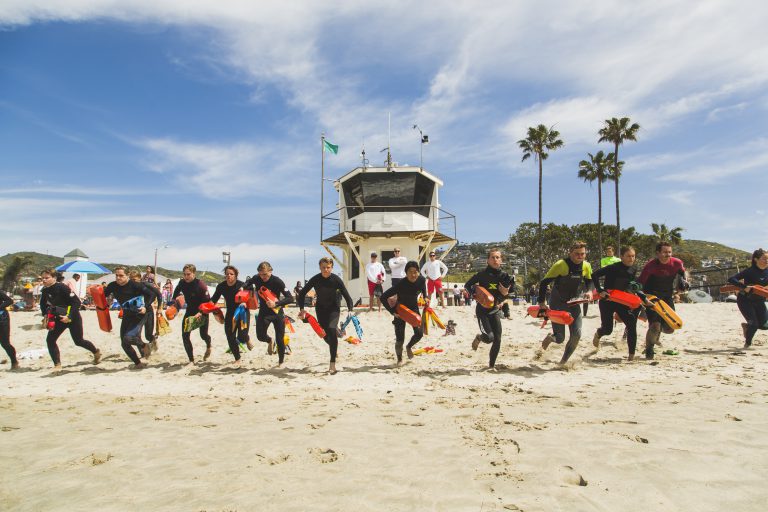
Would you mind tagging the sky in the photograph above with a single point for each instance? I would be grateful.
(193, 127)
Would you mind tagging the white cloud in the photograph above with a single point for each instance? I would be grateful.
(236, 170)
(720, 164)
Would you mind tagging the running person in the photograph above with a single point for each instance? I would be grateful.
(330, 288)
(62, 306)
(498, 284)
(751, 305)
(270, 312)
(570, 278)
(234, 332)
(5, 330)
(658, 278)
(149, 298)
(195, 293)
(434, 271)
(407, 291)
(127, 293)
(618, 276)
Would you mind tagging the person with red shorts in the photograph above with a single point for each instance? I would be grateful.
(434, 271)
(375, 274)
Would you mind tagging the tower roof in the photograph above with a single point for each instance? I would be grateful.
(75, 253)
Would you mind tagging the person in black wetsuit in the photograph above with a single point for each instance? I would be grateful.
(5, 330)
(751, 305)
(149, 298)
(329, 289)
(62, 306)
(127, 292)
(270, 312)
(234, 332)
(407, 291)
(658, 278)
(498, 284)
(570, 278)
(195, 293)
(618, 276)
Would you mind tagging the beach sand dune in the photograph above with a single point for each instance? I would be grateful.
(684, 432)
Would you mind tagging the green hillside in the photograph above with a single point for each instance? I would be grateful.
(43, 261)
(709, 250)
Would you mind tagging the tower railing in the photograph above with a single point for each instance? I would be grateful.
(339, 217)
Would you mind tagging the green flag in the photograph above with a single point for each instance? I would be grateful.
(330, 147)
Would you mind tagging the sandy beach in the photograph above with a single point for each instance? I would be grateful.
(684, 432)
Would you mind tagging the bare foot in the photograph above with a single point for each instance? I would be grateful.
(207, 354)
(399, 362)
(139, 366)
(145, 351)
(97, 357)
(409, 352)
(57, 368)
(631, 357)
(15, 366)
(271, 348)
(249, 344)
(237, 363)
(191, 362)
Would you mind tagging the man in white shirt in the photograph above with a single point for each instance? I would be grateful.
(397, 266)
(375, 273)
(434, 270)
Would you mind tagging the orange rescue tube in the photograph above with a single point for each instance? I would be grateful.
(411, 318)
(483, 297)
(102, 309)
(630, 300)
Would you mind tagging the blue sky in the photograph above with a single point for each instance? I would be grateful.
(131, 125)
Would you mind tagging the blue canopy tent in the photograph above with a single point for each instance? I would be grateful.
(83, 267)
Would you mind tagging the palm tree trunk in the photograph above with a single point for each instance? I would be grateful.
(599, 218)
(541, 246)
(618, 218)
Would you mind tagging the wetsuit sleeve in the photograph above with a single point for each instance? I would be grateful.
(345, 293)
(560, 268)
(303, 292)
(389, 293)
(43, 300)
(683, 282)
(287, 297)
(602, 271)
(5, 300)
(472, 282)
(587, 273)
(217, 293)
(177, 291)
(154, 292)
(736, 279)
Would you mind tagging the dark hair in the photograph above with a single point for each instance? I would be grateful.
(411, 264)
(326, 260)
(234, 269)
(662, 244)
(759, 253)
(626, 248)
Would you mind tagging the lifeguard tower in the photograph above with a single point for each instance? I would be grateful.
(380, 208)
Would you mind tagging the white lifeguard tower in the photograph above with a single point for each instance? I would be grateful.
(380, 208)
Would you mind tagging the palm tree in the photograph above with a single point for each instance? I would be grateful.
(14, 270)
(664, 234)
(539, 141)
(596, 169)
(617, 131)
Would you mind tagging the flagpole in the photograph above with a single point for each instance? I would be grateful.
(322, 180)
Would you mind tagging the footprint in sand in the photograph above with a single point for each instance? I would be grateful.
(570, 476)
(324, 455)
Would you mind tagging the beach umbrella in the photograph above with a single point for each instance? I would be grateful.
(84, 267)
